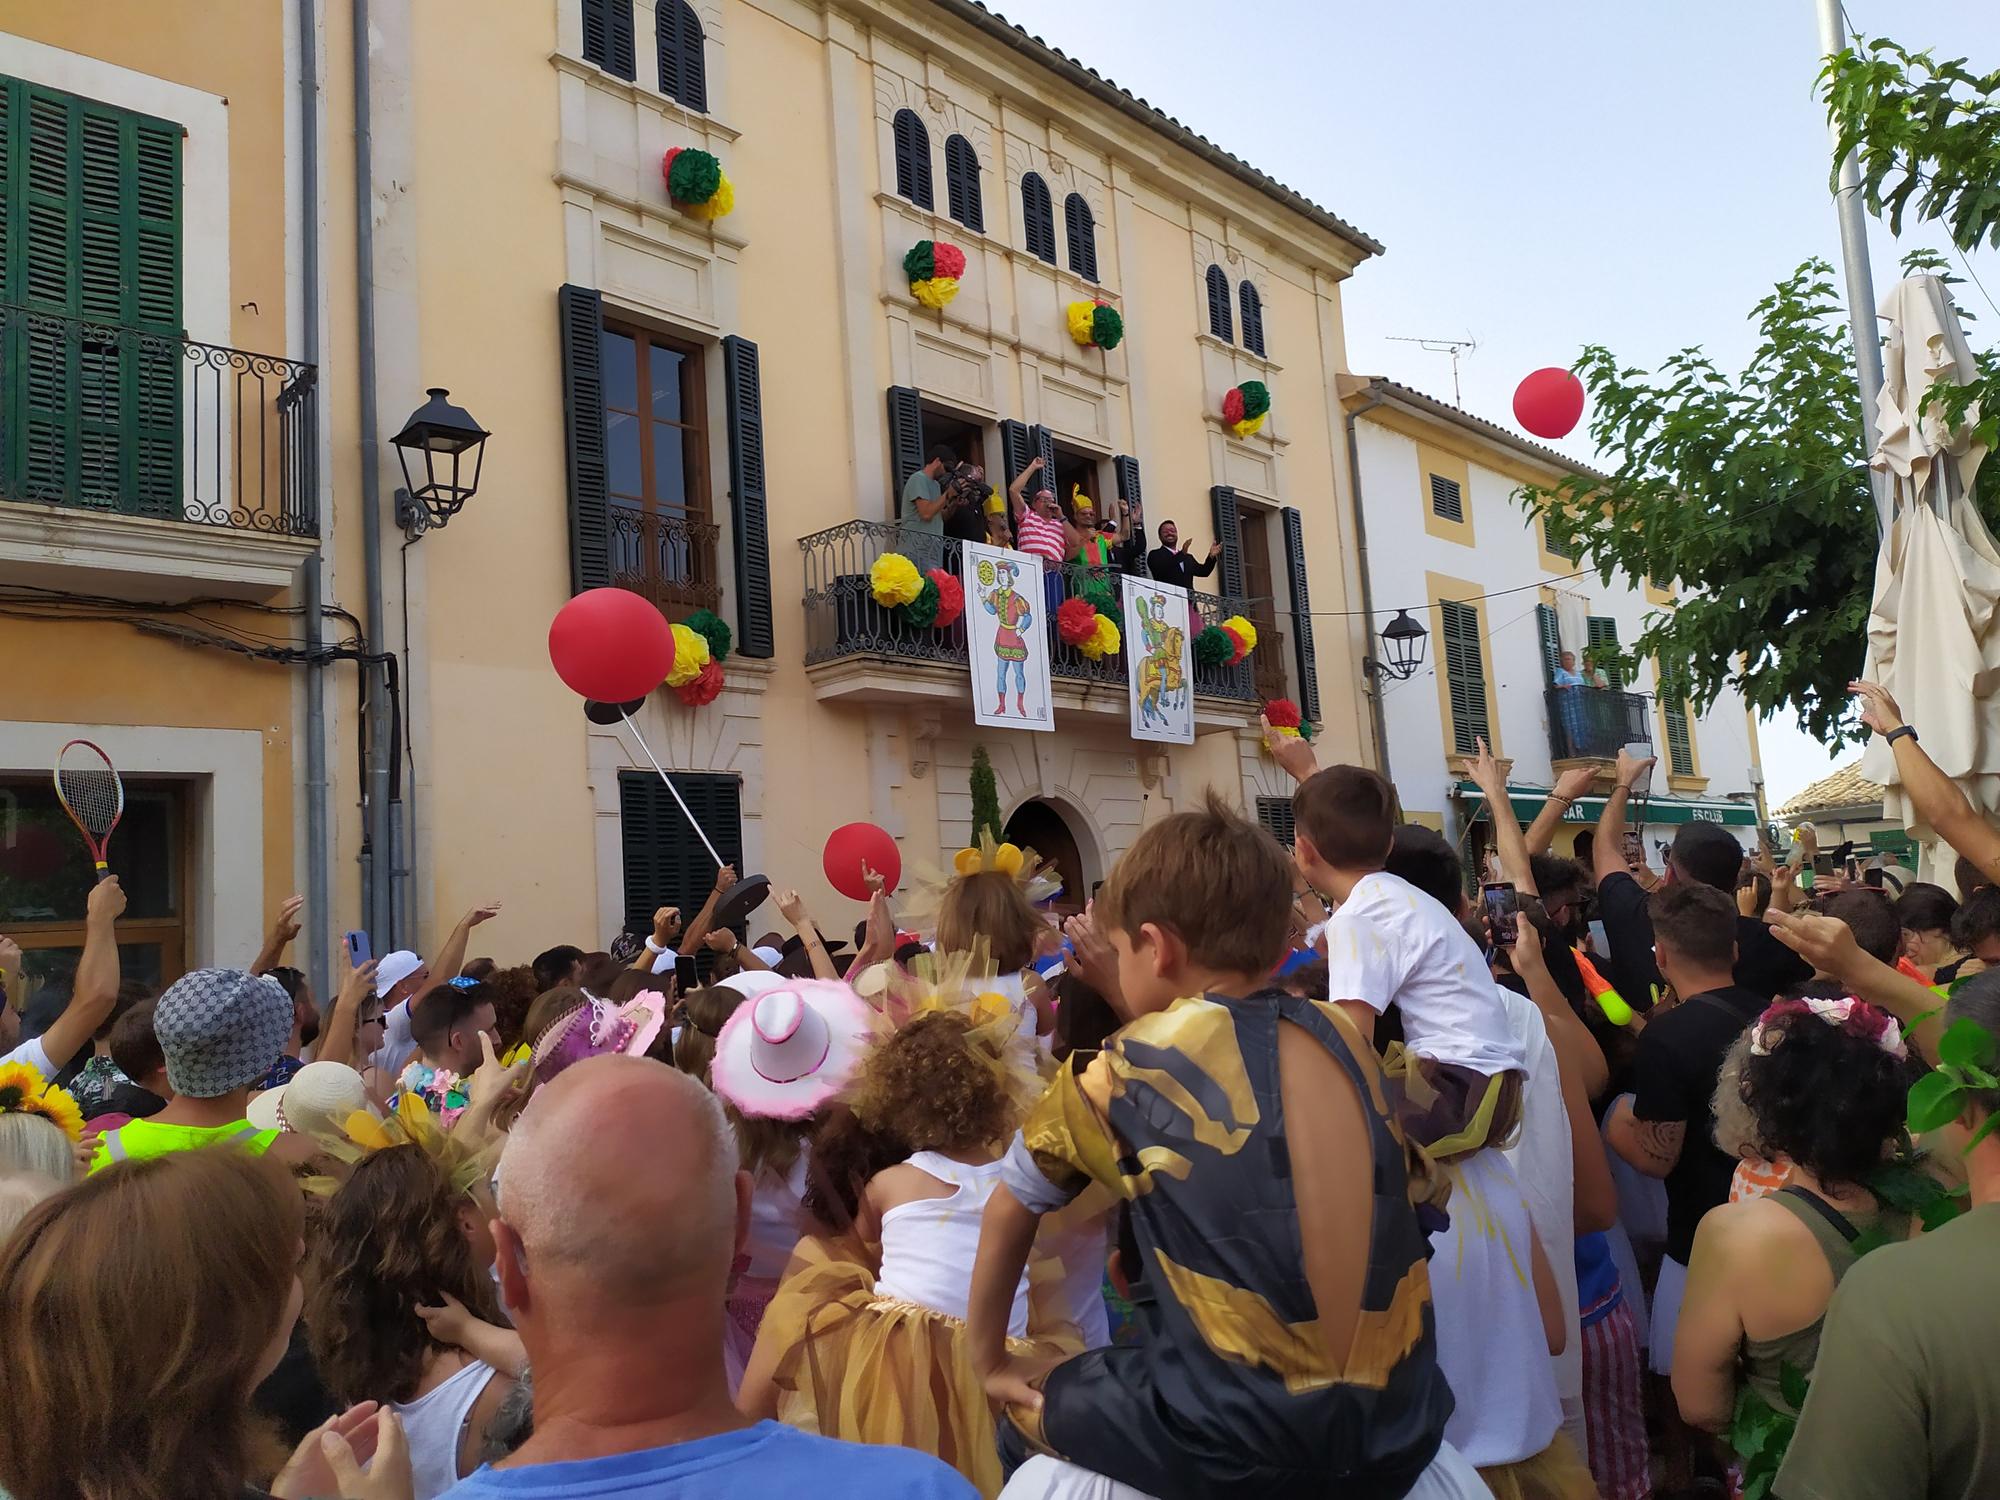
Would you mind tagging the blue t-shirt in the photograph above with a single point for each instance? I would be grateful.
(765, 1459)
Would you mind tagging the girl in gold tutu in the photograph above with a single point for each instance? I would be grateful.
(865, 1339)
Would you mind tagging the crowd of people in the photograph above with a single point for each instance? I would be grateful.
(1267, 1172)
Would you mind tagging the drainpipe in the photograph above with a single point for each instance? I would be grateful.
(318, 793)
(378, 860)
(1374, 689)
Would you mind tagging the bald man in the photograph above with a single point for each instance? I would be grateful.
(613, 1263)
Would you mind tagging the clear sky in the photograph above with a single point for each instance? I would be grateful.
(1545, 173)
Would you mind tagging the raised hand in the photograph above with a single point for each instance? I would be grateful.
(666, 924)
(792, 907)
(106, 901)
(1292, 753)
(724, 879)
(285, 927)
(486, 911)
(1485, 771)
(1575, 782)
(1633, 773)
(1878, 710)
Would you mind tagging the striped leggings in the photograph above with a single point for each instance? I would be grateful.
(1613, 1406)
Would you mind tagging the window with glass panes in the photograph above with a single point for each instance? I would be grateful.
(655, 423)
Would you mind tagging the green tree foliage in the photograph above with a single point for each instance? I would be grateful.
(1751, 492)
(985, 796)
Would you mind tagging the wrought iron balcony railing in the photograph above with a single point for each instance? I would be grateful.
(843, 620)
(1587, 723)
(667, 557)
(125, 422)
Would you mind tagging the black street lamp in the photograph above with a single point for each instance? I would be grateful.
(443, 435)
(1403, 644)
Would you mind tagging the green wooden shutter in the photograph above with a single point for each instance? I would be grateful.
(1229, 532)
(1673, 708)
(608, 37)
(743, 388)
(1125, 471)
(1017, 449)
(1044, 442)
(906, 437)
(90, 229)
(1545, 626)
(683, 63)
(1603, 642)
(1465, 675)
(1274, 815)
(582, 313)
(1302, 625)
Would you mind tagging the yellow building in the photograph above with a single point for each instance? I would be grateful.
(722, 413)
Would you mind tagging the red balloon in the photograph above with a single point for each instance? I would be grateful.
(611, 645)
(852, 845)
(1549, 402)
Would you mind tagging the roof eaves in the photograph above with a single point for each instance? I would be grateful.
(1386, 389)
(1092, 82)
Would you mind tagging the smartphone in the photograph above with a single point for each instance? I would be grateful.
(1822, 864)
(1503, 911)
(359, 950)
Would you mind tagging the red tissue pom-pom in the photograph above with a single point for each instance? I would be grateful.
(1232, 405)
(1241, 647)
(704, 687)
(951, 598)
(1076, 621)
(947, 260)
(1282, 713)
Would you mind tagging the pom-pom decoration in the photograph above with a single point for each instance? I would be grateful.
(1096, 325)
(697, 184)
(712, 628)
(1245, 407)
(1287, 722)
(1549, 403)
(690, 656)
(1076, 621)
(1104, 640)
(951, 598)
(893, 580)
(704, 687)
(922, 610)
(1098, 593)
(1243, 633)
(1213, 647)
(934, 270)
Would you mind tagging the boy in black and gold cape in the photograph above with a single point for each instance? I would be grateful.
(1270, 1194)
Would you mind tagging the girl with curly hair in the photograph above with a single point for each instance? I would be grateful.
(1822, 1087)
(397, 1238)
(869, 1344)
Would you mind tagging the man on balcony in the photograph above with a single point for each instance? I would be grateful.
(923, 506)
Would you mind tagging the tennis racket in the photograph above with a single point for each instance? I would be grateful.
(88, 787)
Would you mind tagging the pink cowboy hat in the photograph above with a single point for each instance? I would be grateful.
(785, 1053)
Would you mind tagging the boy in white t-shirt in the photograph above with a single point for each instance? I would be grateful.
(1460, 1066)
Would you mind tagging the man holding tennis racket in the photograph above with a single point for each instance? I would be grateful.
(92, 994)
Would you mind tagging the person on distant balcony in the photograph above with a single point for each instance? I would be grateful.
(923, 504)
(1567, 675)
(1171, 562)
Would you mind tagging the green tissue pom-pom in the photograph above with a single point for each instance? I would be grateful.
(1256, 398)
(922, 610)
(1213, 647)
(920, 264)
(1097, 594)
(712, 628)
(694, 177)
(1107, 329)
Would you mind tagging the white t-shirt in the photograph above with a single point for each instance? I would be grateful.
(1546, 1171)
(34, 1054)
(1389, 942)
(398, 1045)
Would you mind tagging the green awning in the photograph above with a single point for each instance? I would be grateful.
(1528, 802)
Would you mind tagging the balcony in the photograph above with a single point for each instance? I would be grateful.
(141, 464)
(670, 559)
(858, 650)
(1587, 723)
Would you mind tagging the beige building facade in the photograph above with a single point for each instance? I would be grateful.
(715, 413)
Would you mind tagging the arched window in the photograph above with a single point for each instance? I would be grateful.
(1038, 217)
(961, 183)
(913, 159)
(1220, 321)
(683, 69)
(1253, 318)
(1082, 237)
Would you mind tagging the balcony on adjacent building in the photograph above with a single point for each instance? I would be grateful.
(1589, 723)
(857, 649)
(139, 463)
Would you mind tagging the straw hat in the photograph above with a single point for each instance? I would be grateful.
(319, 1097)
(789, 1050)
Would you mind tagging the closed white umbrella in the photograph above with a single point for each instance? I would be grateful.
(1934, 622)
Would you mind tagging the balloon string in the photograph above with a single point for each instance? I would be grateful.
(672, 788)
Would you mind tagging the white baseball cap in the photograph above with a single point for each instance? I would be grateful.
(394, 969)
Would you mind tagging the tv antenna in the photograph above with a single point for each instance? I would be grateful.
(1453, 347)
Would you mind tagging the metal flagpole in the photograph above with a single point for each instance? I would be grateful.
(1860, 280)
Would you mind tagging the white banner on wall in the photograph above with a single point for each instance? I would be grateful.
(1007, 638)
(1159, 661)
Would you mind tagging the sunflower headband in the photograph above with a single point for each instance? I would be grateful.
(23, 1091)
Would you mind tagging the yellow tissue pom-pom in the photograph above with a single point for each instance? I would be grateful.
(1080, 317)
(936, 292)
(718, 205)
(1104, 641)
(1007, 859)
(1243, 628)
(893, 579)
(690, 656)
(1248, 425)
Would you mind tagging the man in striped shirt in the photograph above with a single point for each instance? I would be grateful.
(1042, 531)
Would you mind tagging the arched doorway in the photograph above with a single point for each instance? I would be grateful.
(1038, 826)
